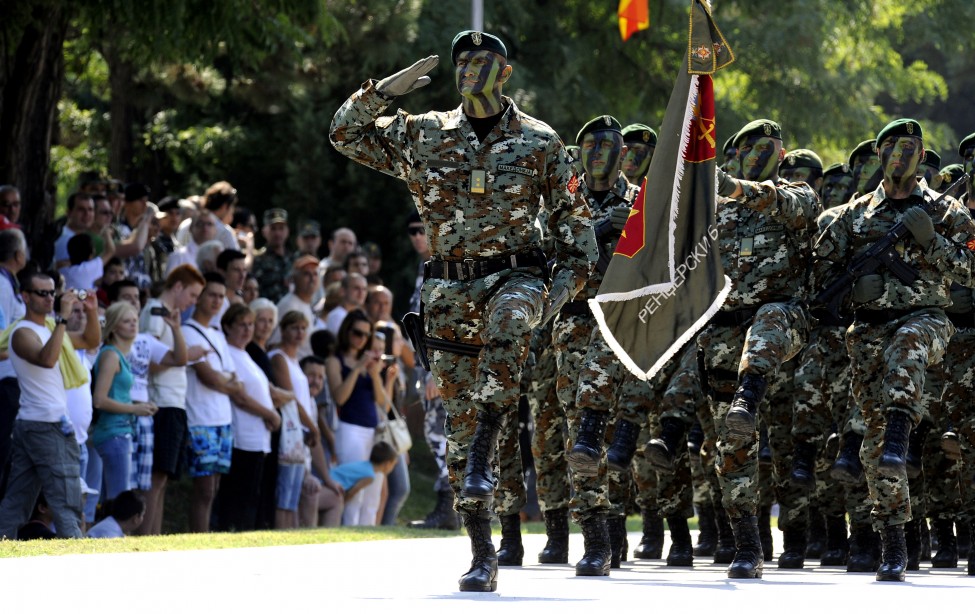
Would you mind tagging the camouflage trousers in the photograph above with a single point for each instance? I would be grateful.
(959, 417)
(498, 313)
(574, 337)
(778, 418)
(822, 386)
(511, 494)
(888, 371)
(434, 418)
(775, 336)
(549, 438)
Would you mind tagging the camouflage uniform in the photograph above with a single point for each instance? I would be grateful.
(764, 238)
(520, 166)
(272, 271)
(549, 438)
(895, 338)
(589, 374)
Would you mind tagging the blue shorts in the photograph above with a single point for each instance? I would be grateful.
(288, 489)
(209, 449)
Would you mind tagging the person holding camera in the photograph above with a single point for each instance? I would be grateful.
(355, 378)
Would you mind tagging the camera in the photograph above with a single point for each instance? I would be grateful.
(159, 311)
(388, 356)
(81, 294)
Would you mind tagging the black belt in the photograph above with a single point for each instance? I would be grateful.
(575, 308)
(881, 316)
(476, 268)
(963, 320)
(733, 318)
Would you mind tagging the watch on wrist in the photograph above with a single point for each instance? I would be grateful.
(59, 319)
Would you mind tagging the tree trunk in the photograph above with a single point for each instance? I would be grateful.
(32, 87)
(122, 114)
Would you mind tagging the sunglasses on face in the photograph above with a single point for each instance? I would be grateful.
(43, 293)
(362, 334)
(415, 230)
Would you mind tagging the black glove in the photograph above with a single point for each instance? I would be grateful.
(618, 217)
(408, 79)
(919, 223)
(868, 288)
(961, 300)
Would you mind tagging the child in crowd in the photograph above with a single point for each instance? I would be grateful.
(85, 269)
(355, 476)
(126, 513)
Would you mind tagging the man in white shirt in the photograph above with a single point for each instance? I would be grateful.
(355, 288)
(210, 383)
(203, 228)
(304, 277)
(81, 214)
(219, 199)
(45, 455)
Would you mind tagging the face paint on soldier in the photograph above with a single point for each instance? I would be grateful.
(636, 162)
(759, 157)
(900, 158)
(602, 153)
(479, 76)
(867, 173)
(837, 189)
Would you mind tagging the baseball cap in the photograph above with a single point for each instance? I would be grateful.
(275, 216)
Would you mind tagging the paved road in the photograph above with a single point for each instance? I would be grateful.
(420, 576)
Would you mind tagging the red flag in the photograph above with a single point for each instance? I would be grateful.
(634, 15)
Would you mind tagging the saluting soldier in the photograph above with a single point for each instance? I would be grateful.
(479, 175)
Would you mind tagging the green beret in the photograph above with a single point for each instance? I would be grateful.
(932, 158)
(839, 168)
(953, 171)
(900, 127)
(966, 143)
(759, 127)
(802, 158)
(730, 143)
(602, 123)
(640, 133)
(868, 147)
(470, 40)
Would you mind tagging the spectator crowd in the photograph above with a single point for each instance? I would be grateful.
(145, 341)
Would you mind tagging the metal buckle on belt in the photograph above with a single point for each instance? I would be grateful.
(468, 270)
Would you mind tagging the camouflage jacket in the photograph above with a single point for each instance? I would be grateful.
(861, 223)
(623, 193)
(522, 163)
(765, 237)
(271, 272)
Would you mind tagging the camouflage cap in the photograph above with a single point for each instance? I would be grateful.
(802, 158)
(868, 147)
(603, 123)
(932, 158)
(900, 127)
(471, 40)
(839, 168)
(311, 228)
(639, 133)
(275, 216)
(966, 143)
(759, 127)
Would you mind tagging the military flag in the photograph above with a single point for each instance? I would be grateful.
(665, 279)
(634, 15)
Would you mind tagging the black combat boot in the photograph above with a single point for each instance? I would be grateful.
(616, 525)
(748, 560)
(478, 479)
(847, 468)
(894, 453)
(707, 537)
(681, 547)
(816, 541)
(556, 548)
(595, 537)
(893, 562)
(804, 465)
(963, 539)
(837, 548)
(483, 575)
(740, 420)
(765, 530)
(915, 448)
(947, 555)
(926, 540)
(864, 550)
(511, 552)
(584, 456)
(725, 551)
(662, 451)
(651, 545)
(794, 540)
(621, 451)
(443, 515)
(912, 539)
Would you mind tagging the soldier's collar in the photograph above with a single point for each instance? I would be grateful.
(456, 118)
(879, 195)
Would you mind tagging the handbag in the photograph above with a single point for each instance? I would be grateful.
(394, 431)
(292, 449)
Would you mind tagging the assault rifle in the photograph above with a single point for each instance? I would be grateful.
(880, 253)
